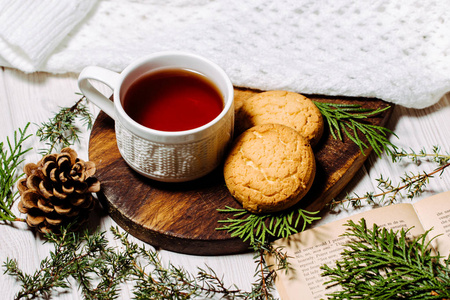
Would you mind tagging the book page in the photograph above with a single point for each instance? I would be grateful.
(434, 212)
(311, 249)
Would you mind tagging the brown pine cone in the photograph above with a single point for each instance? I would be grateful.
(57, 191)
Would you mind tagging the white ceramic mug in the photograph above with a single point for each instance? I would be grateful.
(169, 156)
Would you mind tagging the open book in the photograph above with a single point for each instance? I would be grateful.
(311, 249)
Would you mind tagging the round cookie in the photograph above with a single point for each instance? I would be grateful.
(270, 167)
(282, 107)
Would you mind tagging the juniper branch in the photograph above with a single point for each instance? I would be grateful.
(61, 131)
(384, 264)
(410, 185)
(349, 120)
(10, 159)
(436, 155)
(87, 258)
(253, 227)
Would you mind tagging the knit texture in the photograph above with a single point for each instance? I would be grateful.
(31, 30)
(394, 50)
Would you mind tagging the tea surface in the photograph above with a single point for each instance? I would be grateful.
(173, 100)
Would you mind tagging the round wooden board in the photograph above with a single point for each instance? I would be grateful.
(183, 217)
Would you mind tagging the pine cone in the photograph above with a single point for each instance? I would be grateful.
(57, 191)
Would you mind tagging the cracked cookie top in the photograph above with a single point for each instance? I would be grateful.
(282, 107)
(269, 168)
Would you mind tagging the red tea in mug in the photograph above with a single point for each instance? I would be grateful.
(173, 100)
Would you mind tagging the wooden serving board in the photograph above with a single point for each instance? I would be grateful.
(183, 217)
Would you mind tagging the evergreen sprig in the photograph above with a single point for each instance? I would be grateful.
(266, 273)
(410, 184)
(84, 257)
(99, 270)
(349, 119)
(253, 227)
(10, 159)
(384, 264)
(436, 155)
(61, 130)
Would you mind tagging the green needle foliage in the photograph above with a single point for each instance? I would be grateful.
(410, 184)
(99, 270)
(349, 119)
(252, 227)
(83, 257)
(61, 131)
(384, 264)
(266, 274)
(11, 157)
(435, 155)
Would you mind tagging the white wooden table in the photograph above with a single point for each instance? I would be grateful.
(36, 97)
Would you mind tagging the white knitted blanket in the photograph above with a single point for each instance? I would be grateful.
(395, 50)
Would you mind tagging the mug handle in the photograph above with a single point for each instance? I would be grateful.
(105, 76)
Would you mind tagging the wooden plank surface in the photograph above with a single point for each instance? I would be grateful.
(183, 217)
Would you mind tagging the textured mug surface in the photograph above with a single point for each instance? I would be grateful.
(173, 156)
